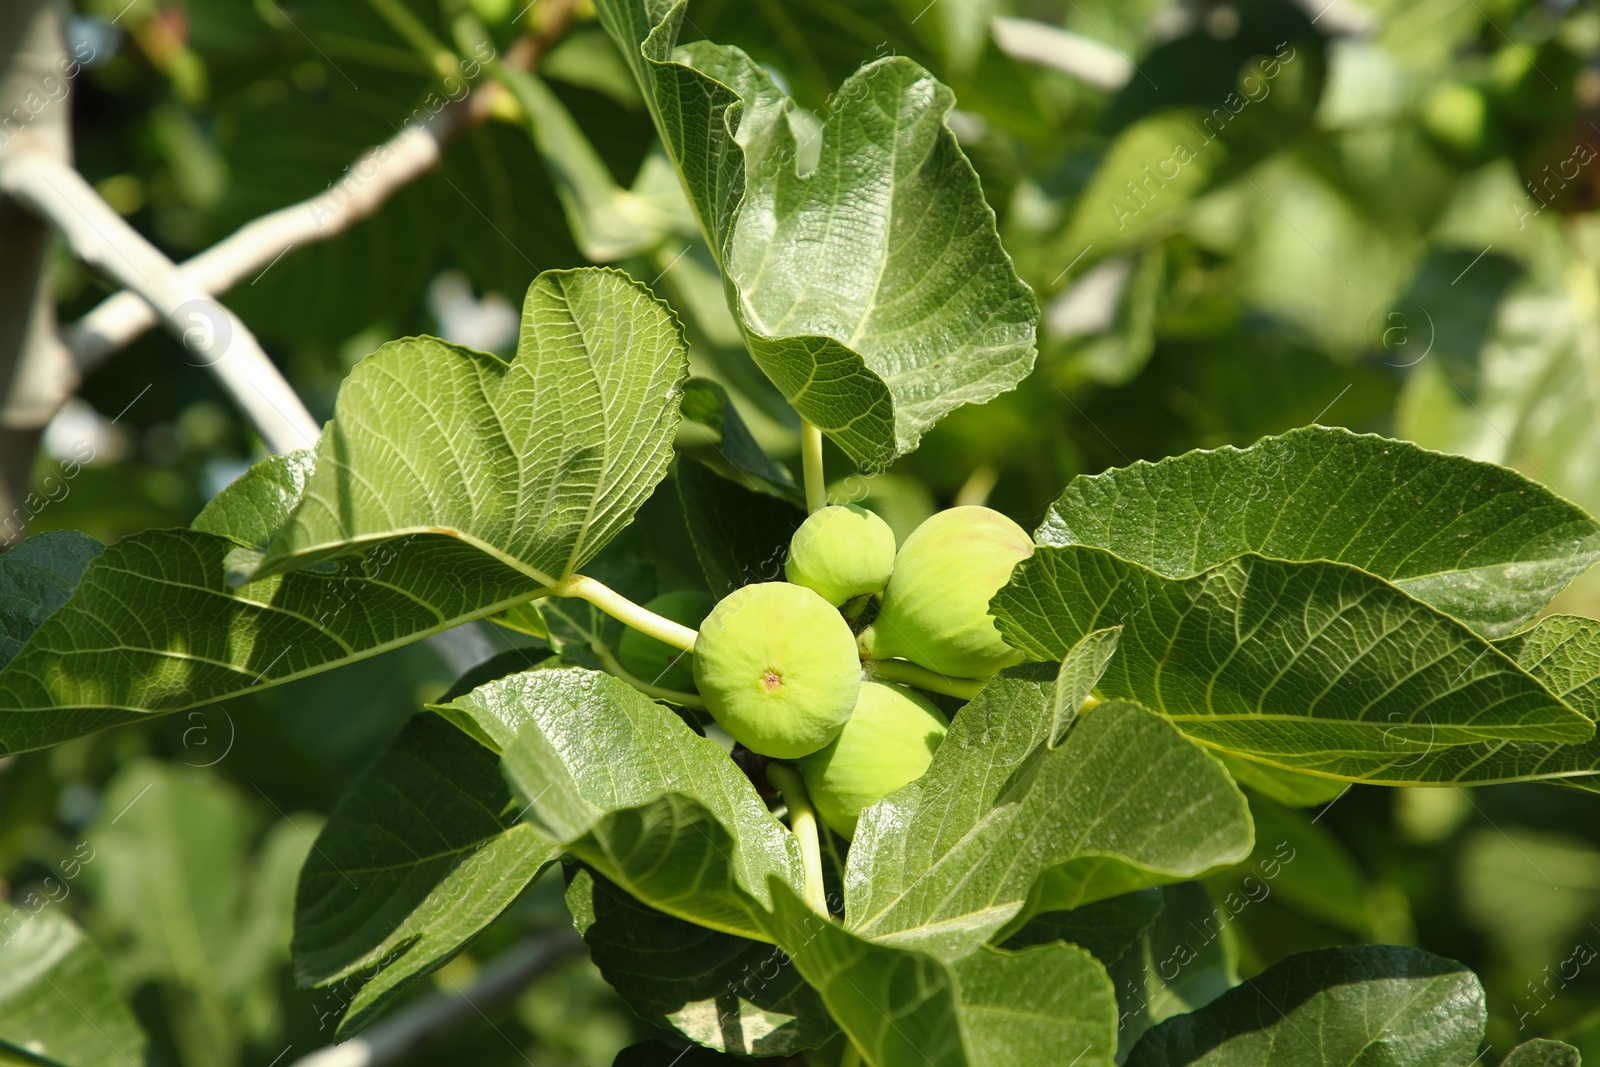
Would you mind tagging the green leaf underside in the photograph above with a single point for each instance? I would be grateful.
(537, 462)
(1126, 802)
(52, 982)
(36, 578)
(417, 858)
(1562, 652)
(991, 1008)
(1300, 664)
(156, 627)
(624, 785)
(1081, 669)
(726, 992)
(873, 291)
(1332, 1008)
(1477, 541)
(630, 791)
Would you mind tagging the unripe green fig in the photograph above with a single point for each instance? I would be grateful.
(936, 606)
(778, 668)
(888, 742)
(657, 662)
(841, 552)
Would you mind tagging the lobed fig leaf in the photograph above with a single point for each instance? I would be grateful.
(778, 669)
(657, 662)
(936, 605)
(841, 552)
(888, 742)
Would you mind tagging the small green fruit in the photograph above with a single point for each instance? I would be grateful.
(778, 668)
(657, 662)
(888, 742)
(841, 552)
(936, 606)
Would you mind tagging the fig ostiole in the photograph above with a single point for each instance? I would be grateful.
(778, 669)
(841, 552)
(655, 662)
(936, 605)
(888, 742)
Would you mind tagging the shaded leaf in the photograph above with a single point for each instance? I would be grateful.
(726, 992)
(739, 536)
(1341, 1006)
(1542, 1052)
(57, 997)
(730, 449)
(36, 578)
(420, 855)
(1107, 928)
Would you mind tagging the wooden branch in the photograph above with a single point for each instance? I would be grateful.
(36, 371)
(498, 981)
(366, 185)
(217, 339)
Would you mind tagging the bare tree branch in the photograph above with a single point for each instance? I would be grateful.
(365, 187)
(36, 372)
(500, 979)
(103, 240)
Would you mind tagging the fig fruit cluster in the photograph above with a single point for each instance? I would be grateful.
(780, 667)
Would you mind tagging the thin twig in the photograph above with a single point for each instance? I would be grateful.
(498, 981)
(101, 238)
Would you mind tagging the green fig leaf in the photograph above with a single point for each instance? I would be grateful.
(623, 784)
(57, 996)
(420, 855)
(729, 993)
(36, 578)
(1372, 676)
(1369, 1004)
(872, 290)
(945, 863)
(514, 470)
(1477, 541)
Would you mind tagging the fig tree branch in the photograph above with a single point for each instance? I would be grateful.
(803, 821)
(105, 242)
(367, 184)
(501, 979)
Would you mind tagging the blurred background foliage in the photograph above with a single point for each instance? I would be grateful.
(1238, 218)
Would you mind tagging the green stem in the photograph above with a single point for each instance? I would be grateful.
(811, 463)
(908, 673)
(626, 611)
(852, 1054)
(654, 692)
(418, 36)
(803, 821)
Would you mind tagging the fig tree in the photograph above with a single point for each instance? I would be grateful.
(778, 668)
(888, 742)
(655, 661)
(841, 552)
(936, 605)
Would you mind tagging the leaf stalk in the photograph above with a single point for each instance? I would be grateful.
(908, 673)
(811, 463)
(803, 822)
(627, 612)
